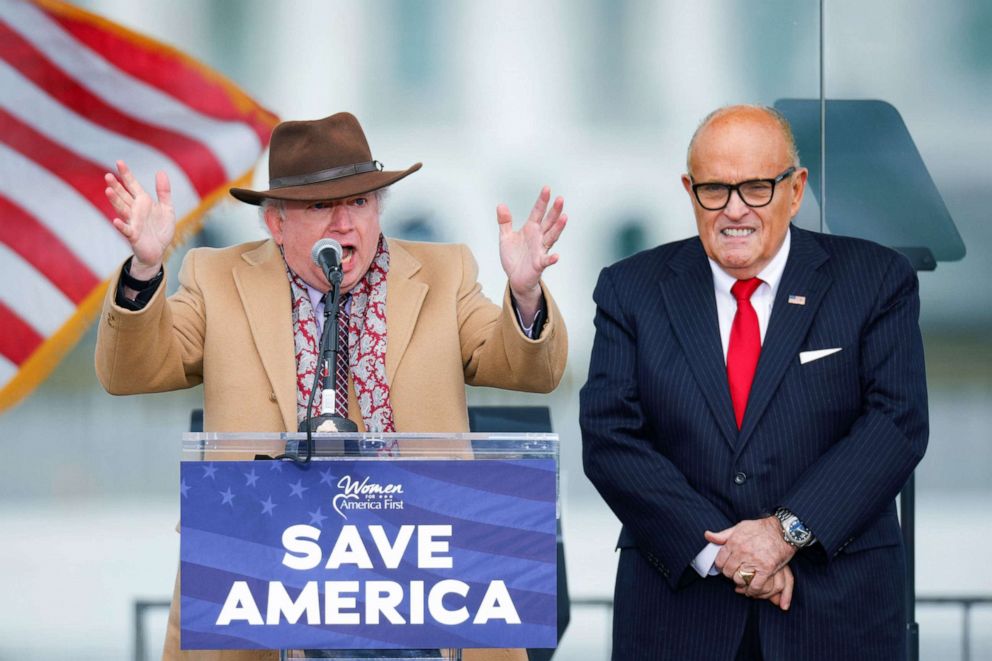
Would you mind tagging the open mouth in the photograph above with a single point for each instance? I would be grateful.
(347, 252)
(737, 232)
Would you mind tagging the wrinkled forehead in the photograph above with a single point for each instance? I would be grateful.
(738, 148)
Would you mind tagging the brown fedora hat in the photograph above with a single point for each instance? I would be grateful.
(322, 159)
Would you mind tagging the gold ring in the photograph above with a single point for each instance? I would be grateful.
(746, 575)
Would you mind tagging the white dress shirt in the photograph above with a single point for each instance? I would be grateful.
(726, 308)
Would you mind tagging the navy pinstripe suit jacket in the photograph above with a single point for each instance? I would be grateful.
(833, 440)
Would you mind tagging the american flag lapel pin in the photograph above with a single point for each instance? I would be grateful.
(795, 299)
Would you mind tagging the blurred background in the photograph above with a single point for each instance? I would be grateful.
(597, 99)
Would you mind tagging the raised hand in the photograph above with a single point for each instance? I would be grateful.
(147, 224)
(525, 253)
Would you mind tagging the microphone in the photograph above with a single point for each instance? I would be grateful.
(326, 254)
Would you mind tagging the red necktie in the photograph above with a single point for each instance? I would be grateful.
(341, 368)
(745, 346)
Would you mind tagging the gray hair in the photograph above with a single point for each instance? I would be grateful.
(381, 195)
(271, 203)
(783, 124)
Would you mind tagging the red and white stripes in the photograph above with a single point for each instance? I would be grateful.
(78, 93)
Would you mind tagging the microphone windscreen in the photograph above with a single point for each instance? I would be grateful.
(322, 246)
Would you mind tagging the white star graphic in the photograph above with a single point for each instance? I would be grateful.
(208, 471)
(298, 489)
(275, 465)
(327, 478)
(184, 488)
(251, 477)
(317, 518)
(268, 506)
(228, 497)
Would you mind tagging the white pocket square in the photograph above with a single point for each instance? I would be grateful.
(810, 356)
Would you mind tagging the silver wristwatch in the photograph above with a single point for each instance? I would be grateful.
(794, 531)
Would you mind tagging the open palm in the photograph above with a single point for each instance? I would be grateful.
(525, 253)
(148, 225)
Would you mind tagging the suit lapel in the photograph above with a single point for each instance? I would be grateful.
(264, 290)
(691, 305)
(789, 324)
(404, 298)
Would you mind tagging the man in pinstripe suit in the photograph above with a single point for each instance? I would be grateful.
(756, 400)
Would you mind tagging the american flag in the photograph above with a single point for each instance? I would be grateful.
(77, 93)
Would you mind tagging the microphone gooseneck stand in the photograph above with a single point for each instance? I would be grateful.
(328, 357)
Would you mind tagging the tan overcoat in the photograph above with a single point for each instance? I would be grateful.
(229, 327)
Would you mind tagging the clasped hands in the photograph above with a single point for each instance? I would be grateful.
(756, 546)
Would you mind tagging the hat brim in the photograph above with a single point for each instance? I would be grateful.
(335, 189)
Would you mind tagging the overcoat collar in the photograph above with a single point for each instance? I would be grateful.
(265, 295)
(690, 299)
(404, 297)
(264, 290)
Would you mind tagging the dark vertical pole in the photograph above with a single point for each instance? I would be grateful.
(908, 496)
(966, 633)
(139, 632)
(907, 511)
(823, 125)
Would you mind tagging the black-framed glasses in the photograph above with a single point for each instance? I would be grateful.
(755, 193)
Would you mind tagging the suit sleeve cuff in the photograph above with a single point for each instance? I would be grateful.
(704, 561)
(145, 288)
(533, 331)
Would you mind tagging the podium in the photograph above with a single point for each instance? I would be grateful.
(384, 546)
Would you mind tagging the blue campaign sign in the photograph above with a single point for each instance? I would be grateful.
(368, 554)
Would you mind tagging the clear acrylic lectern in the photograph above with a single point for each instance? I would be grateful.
(514, 449)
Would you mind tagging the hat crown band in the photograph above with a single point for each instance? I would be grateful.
(322, 159)
(325, 175)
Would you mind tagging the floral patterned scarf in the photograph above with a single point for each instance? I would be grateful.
(366, 343)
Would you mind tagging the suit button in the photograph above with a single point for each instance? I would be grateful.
(740, 478)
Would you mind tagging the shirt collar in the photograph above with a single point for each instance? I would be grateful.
(771, 275)
(315, 296)
(316, 301)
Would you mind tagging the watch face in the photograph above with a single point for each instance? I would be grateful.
(798, 532)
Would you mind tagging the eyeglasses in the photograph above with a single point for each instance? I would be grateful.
(755, 193)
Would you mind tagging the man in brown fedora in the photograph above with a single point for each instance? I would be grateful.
(245, 319)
